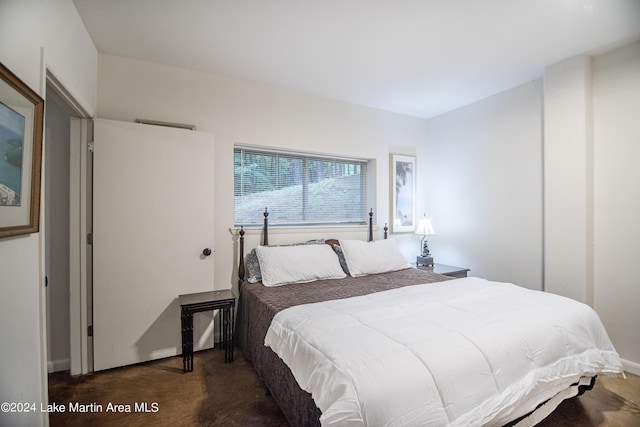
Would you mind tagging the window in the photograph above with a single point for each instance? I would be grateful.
(298, 189)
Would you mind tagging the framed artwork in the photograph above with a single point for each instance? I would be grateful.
(21, 124)
(403, 199)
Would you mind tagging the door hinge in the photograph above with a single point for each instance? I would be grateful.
(89, 238)
(90, 145)
(90, 330)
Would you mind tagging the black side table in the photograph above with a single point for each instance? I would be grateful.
(225, 301)
(447, 270)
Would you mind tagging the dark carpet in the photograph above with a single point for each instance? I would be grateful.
(217, 394)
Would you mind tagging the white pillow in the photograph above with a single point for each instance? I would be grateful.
(374, 257)
(281, 265)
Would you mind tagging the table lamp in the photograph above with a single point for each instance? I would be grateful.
(425, 229)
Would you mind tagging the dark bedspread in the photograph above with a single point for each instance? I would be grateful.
(257, 306)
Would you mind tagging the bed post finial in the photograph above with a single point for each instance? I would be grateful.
(371, 225)
(386, 230)
(241, 264)
(265, 228)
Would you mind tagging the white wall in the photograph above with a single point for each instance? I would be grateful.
(484, 166)
(481, 181)
(568, 168)
(238, 111)
(25, 28)
(592, 201)
(616, 107)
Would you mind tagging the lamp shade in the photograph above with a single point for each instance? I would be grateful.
(425, 228)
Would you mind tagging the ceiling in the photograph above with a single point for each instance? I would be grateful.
(414, 57)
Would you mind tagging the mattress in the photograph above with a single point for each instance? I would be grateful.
(260, 305)
(465, 352)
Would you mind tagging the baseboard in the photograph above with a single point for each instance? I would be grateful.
(58, 365)
(631, 367)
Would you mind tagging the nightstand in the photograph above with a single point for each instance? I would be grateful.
(447, 270)
(225, 301)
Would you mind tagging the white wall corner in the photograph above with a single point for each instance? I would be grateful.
(568, 179)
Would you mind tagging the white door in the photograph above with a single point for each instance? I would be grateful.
(153, 215)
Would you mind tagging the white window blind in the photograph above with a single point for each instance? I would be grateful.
(298, 189)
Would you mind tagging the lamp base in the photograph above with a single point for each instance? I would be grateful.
(426, 261)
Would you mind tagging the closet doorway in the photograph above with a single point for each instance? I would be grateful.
(67, 221)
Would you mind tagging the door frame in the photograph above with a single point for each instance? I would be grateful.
(80, 260)
(80, 257)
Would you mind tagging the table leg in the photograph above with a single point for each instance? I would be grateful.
(232, 333)
(186, 320)
(220, 315)
(183, 330)
(225, 337)
(190, 342)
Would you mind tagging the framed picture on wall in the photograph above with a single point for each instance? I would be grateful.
(21, 124)
(403, 194)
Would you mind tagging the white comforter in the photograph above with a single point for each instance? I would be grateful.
(463, 352)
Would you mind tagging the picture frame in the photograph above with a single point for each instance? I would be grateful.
(21, 128)
(403, 193)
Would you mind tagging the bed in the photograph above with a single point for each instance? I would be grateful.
(411, 347)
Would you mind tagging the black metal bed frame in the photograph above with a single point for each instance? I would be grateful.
(265, 240)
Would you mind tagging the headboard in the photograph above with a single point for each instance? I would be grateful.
(265, 240)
